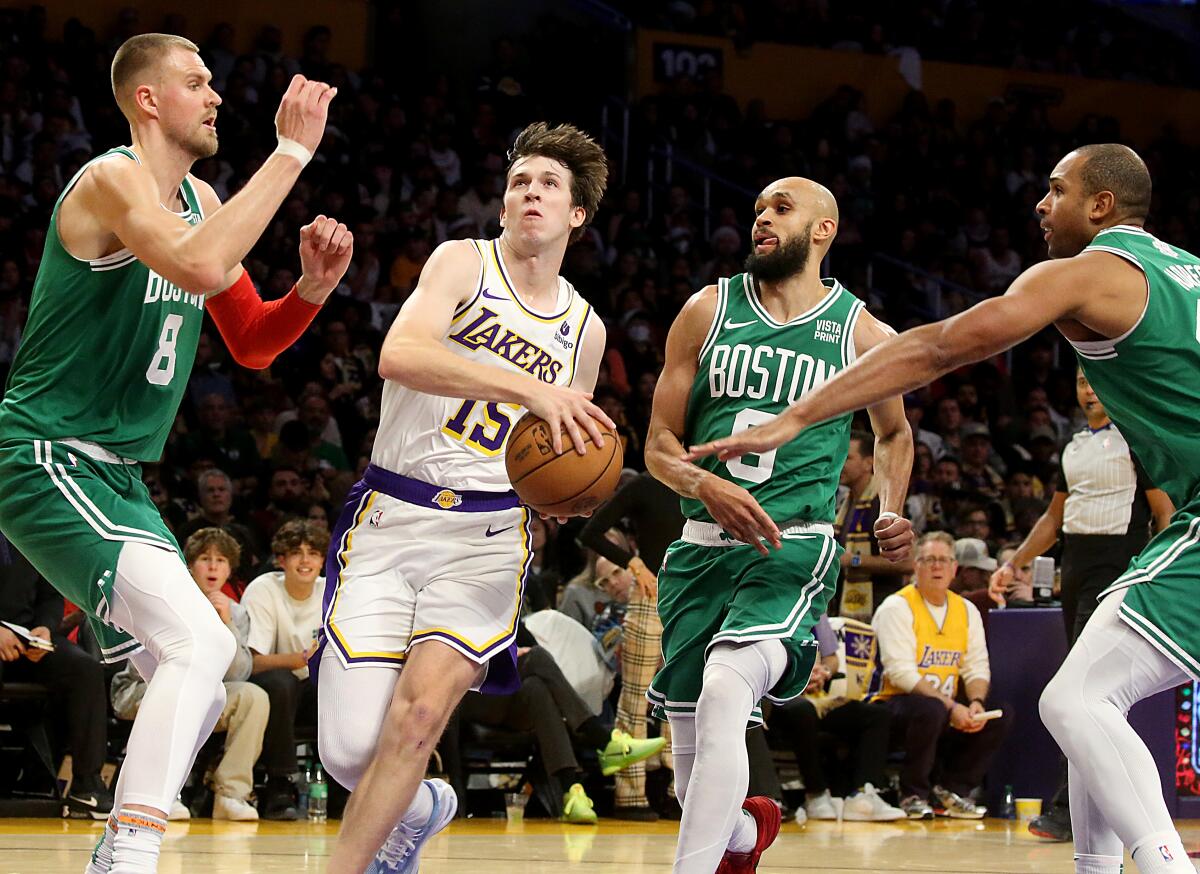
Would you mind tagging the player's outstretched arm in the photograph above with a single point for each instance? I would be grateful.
(734, 508)
(198, 258)
(414, 356)
(1040, 296)
(893, 458)
(256, 331)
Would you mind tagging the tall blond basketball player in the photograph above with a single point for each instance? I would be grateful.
(428, 559)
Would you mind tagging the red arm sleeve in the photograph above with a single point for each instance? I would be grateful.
(256, 330)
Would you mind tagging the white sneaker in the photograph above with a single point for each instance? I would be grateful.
(866, 806)
(401, 852)
(234, 809)
(801, 816)
(178, 812)
(822, 806)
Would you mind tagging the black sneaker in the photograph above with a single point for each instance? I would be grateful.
(89, 798)
(1054, 826)
(280, 800)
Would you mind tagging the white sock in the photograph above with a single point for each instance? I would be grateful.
(1161, 853)
(137, 842)
(1087, 864)
(102, 856)
(745, 834)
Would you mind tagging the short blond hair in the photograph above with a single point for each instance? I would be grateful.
(139, 54)
(935, 537)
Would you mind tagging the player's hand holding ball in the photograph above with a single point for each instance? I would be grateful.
(559, 484)
(895, 537)
(566, 409)
(326, 247)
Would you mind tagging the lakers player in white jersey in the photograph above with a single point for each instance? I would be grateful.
(428, 560)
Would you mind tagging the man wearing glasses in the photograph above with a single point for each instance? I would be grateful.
(934, 655)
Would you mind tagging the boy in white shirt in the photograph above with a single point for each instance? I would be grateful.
(285, 612)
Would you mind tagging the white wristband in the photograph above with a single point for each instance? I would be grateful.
(294, 150)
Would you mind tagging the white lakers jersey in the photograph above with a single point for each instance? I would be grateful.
(459, 443)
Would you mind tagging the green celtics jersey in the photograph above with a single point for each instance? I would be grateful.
(751, 368)
(107, 349)
(1149, 378)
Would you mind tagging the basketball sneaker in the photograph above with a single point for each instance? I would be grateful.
(823, 806)
(767, 817)
(953, 805)
(866, 806)
(401, 852)
(577, 807)
(234, 809)
(624, 750)
(1055, 825)
(179, 811)
(916, 807)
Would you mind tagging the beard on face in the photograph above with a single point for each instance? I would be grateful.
(202, 146)
(788, 259)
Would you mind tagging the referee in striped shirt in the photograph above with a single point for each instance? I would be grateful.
(1104, 505)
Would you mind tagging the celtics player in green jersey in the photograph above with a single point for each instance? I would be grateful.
(136, 252)
(739, 594)
(1128, 302)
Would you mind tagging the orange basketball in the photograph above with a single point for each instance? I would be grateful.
(561, 485)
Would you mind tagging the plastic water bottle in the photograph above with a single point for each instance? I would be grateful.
(318, 796)
(1008, 810)
(303, 787)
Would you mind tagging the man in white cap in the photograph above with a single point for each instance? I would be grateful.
(975, 565)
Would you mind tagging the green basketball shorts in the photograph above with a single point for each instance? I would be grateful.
(1163, 580)
(709, 594)
(70, 515)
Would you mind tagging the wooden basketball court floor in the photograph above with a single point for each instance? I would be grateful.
(51, 846)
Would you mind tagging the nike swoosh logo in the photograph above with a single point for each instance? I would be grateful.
(493, 296)
(730, 324)
(491, 533)
(90, 801)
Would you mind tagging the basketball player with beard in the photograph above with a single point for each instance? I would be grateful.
(740, 592)
(137, 250)
(1126, 300)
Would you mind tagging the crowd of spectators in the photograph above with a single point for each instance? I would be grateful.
(409, 164)
(1077, 38)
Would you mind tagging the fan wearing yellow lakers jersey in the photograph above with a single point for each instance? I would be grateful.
(931, 643)
(427, 563)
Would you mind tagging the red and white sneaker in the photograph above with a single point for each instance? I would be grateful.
(767, 817)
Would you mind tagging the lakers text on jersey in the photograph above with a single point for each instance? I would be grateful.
(433, 543)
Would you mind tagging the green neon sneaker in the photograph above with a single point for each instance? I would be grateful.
(577, 807)
(624, 749)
